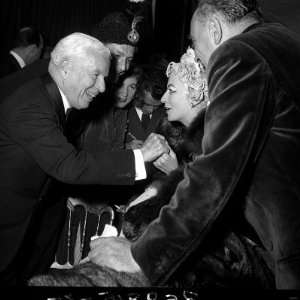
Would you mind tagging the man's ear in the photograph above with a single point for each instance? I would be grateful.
(215, 30)
(65, 68)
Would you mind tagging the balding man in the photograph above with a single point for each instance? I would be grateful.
(34, 149)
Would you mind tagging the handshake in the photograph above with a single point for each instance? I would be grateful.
(154, 146)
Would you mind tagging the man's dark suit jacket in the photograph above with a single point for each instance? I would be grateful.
(249, 169)
(8, 65)
(33, 148)
(135, 124)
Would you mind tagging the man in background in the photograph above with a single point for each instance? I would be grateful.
(120, 35)
(27, 48)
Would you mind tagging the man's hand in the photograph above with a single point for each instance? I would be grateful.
(113, 252)
(154, 146)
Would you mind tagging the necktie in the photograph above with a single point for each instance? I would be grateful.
(145, 120)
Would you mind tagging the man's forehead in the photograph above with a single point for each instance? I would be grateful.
(121, 49)
(100, 61)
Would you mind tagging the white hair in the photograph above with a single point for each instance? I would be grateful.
(76, 45)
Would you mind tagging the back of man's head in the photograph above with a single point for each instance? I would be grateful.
(232, 10)
(28, 44)
(28, 36)
(153, 81)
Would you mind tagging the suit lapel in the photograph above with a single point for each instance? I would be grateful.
(14, 63)
(55, 97)
(135, 125)
(155, 119)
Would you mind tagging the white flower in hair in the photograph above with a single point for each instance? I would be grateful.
(192, 73)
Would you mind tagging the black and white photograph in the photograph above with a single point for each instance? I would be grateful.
(150, 149)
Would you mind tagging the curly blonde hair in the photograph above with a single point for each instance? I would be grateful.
(191, 73)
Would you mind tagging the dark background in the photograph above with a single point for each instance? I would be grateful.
(57, 18)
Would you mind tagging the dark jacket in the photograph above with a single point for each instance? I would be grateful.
(249, 167)
(9, 83)
(108, 132)
(33, 149)
(135, 124)
(8, 65)
(104, 133)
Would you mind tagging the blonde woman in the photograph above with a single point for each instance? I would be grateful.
(185, 101)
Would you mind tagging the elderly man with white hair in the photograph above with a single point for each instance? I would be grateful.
(34, 150)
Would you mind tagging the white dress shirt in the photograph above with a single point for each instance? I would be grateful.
(140, 113)
(18, 58)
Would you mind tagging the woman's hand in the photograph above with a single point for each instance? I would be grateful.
(167, 162)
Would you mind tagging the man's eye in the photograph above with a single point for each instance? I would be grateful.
(133, 86)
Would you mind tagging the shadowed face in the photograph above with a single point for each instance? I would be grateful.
(125, 93)
(150, 104)
(84, 77)
(123, 55)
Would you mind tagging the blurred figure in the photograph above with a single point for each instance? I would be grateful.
(27, 48)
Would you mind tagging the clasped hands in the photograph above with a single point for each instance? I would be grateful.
(154, 146)
(156, 149)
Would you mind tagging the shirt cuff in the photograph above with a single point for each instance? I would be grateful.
(140, 170)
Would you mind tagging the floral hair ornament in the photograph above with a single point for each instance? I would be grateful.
(133, 36)
(191, 73)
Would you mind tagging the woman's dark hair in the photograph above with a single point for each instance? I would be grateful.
(132, 71)
(154, 80)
